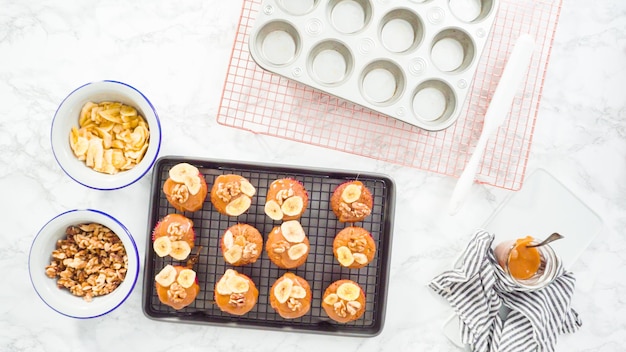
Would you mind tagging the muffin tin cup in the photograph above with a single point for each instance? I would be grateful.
(320, 269)
(331, 63)
(377, 53)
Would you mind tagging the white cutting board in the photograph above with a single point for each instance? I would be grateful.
(543, 206)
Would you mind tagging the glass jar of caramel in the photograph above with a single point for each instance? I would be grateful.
(530, 268)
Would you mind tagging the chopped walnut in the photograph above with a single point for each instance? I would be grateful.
(340, 308)
(226, 191)
(176, 292)
(52, 270)
(361, 209)
(353, 307)
(357, 243)
(90, 261)
(294, 304)
(249, 251)
(280, 247)
(237, 299)
(175, 231)
(355, 209)
(343, 308)
(180, 193)
(75, 263)
(284, 194)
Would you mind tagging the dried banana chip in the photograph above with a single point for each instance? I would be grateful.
(128, 111)
(112, 115)
(85, 113)
(117, 158)
(95, 153)
(106, 126)
(78, 143)
(94, 114)
(111, 137)
(117, 144)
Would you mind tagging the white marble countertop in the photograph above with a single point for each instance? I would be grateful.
(177, 54)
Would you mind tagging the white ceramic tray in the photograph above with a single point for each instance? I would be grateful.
(543, 205)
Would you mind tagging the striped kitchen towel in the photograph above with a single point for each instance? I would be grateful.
(494, 314)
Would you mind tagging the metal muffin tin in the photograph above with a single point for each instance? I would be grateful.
(320, 269)
(408, 59)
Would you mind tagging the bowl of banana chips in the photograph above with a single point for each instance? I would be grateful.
(106, 135)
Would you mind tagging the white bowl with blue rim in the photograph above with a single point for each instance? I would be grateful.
(60, 299)
(67, 116)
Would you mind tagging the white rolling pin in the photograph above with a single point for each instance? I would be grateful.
(499, 107)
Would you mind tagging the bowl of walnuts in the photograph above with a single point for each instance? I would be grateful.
(105, 135)
(83, 263)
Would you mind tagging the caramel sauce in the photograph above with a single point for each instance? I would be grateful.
(523, 261)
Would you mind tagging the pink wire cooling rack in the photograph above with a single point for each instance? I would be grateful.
(262, 102)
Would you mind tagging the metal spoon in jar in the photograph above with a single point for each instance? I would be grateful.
(553, 237)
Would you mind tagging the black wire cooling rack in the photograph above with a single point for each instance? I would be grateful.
(320, 269)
